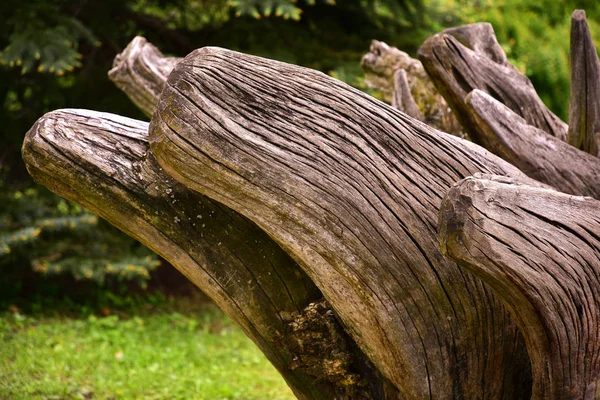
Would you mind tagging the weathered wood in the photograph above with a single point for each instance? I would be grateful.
(481, 38)
(540, 252)
(533, 151)
(102, 162)
(381, 65)
(141, 71)
(584, 109)
(351, 188)
(456, 70)
(403, 99)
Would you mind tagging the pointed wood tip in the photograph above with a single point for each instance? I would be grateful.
(578, 15)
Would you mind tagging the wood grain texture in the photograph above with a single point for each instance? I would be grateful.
(102, 161)
(481, 38)
(351, 188)
(456, 70)
(584, 108)
(141, 71)
(381, 65)
(540, 251)
(533, 151)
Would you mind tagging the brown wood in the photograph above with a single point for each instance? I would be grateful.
(533, 151)
(584, 110)
(141, 71)
(456, 70)
(103, 162)
(351, 189)
(403, 99)
(481, 38)
(540, 251)
(382, 64)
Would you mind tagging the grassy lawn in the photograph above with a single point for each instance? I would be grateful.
(161, 354)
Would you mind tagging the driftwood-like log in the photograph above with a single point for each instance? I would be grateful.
(540, 252)
(533, 151)
(381, 65)
(351, 188)
(103, 162)
(584, 109)
(456, 70)
(141, 71)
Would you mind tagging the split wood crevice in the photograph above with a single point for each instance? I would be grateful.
(310, 212)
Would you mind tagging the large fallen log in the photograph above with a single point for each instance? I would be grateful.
(307, 188)
(351, 189)
(584, 110)
(540, 252)
(103, 162)
(533, 151)
(456, 70)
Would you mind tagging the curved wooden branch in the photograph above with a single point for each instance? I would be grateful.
(350, 188)
(457, 70)
(381, 65)
(540, 252)
(141, 71)
(533, 151)
(102, 162)
(584, 110)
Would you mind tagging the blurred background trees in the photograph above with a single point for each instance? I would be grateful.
(56, 54)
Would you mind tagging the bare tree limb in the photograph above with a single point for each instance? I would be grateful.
(456, 70)
(141, 71)
(540, 252)
(481, 38)
(533, 151)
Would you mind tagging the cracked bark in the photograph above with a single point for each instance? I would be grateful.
(350, 188)
(103, 162)
(536, 153)
(584, 109)
(456, 70)
(540, 252)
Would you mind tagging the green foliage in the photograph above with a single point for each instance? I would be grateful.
(160, 355)
(535, 35)
(54, 237)
(44, 39)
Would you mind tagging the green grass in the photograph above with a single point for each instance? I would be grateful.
(157, 355)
